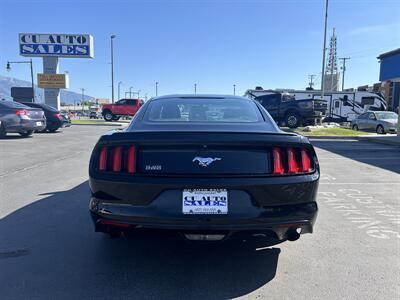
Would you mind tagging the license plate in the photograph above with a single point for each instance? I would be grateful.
(38, 123)
(205, 201)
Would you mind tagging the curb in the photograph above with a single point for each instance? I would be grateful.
(117, 125)
(332, 137)
(358, 138)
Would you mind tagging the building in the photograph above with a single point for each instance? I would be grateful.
(101, 101)
(390, 76)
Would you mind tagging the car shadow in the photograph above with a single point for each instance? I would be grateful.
(379, 155)
(48, 249)
(15, 136)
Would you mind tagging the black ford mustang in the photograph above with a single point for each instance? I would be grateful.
(207, 166)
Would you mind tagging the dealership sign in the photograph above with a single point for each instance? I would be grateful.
(58, 45)
(52, 81)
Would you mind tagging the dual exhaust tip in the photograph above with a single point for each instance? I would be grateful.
(292, 235)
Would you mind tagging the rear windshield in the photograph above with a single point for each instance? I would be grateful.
(12, 104)
(202, 110)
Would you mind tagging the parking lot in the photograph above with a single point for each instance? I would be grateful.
(48, 249)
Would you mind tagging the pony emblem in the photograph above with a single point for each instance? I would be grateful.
(205, 161)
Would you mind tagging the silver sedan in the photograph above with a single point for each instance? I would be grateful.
(379, 121)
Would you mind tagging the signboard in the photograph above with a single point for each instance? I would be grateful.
(22, 93)
(52, 81)
(58, 45)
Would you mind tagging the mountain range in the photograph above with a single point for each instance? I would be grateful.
(66, 96)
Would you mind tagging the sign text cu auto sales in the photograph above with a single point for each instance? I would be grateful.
(58, 45)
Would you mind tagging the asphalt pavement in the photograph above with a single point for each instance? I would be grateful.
(48, 249)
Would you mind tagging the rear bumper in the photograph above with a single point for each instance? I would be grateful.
(278, 220)
(27, 125)
(275, 205)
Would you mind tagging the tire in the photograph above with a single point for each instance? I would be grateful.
(380, 129)
(292, 120)
(52, 130)
(355, 127)
(3, 131)
(115, 118)
(108, 116)
(26, 133)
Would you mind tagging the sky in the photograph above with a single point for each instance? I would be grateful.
(215, 44)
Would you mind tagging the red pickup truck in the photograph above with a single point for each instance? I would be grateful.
(123, 107)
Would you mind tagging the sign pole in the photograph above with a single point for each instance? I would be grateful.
(51, 95)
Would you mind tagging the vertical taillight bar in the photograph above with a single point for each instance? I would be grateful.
(278, 163)
(116, 159)
(103, 159)
(293, 166)
(131, 159)
(305, 161)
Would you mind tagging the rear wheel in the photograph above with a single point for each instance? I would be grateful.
(26, 133)
(292, 120)
(380, 129)
(355, 127)
(3, 131)
(115, 118)
(108, 116)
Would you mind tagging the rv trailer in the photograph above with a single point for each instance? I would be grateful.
(341, 106)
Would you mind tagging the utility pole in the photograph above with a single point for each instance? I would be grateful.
(156, 88)
(83, 97)
(234, 89)
(323, 53)
(195, 88)
(119, 89)
(112, 67)
(343, 59)
(311, 83)
(130, 92)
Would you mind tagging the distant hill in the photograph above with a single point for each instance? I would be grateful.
(7, 82)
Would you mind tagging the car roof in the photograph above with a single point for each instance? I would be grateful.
(199, 96)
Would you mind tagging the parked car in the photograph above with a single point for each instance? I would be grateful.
(123, 107)
(54, 118)
(207, 166)
(381, 122)
(94, 114)
(18, 118)
(65, 119)
(285, 109)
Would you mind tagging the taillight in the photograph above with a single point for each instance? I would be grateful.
(116, 159)
(58, 115)
(120, 159)
(305, 161)
(131, 160)
(278, 163)
(296, 161)
(21, 112)
(103, 159)
(293, 167)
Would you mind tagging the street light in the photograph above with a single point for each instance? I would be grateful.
(234, 89)
(8, 68)
(195, 88)
(112, 37)
(156, 88)
(323, 53)
(119, 89)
